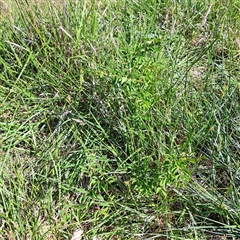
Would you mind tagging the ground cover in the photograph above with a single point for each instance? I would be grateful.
(119, 118)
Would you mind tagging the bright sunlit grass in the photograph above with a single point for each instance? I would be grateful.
(119, 119)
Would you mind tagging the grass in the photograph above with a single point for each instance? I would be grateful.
(119, 118)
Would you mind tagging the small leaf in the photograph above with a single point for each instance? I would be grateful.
(77, 235)
(79, 121)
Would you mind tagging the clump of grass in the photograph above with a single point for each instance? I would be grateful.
(120, 118)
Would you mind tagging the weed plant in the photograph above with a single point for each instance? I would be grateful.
(119, 118)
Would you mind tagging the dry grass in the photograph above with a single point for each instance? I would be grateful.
(7, 7)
